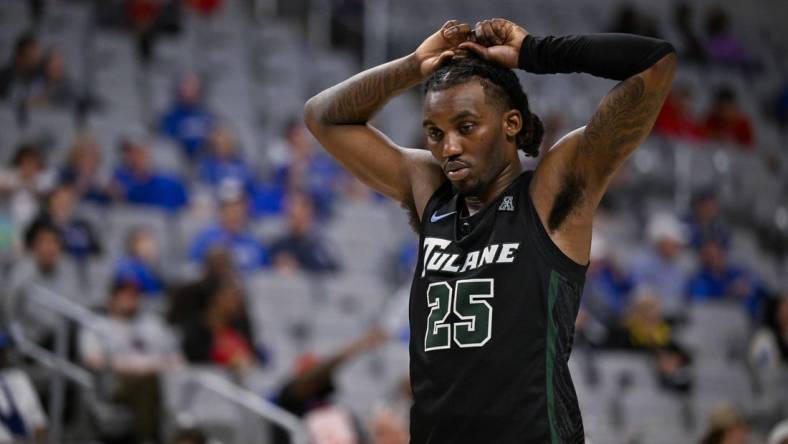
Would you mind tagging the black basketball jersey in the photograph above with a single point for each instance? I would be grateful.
(492, 311)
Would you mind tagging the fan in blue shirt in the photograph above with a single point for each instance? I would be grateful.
(221, 161)
(302, 247)
(717, 279)
(136, 182)
(140, 263)
(188, 121)
(231, 233)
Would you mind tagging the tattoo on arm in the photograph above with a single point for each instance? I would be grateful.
(355, 100)
(621, 121)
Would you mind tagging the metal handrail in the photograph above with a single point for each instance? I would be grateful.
(50, 360)
(68, 309)
(56, 361)
(253, 403)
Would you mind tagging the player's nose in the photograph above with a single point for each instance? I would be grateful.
(451, 146)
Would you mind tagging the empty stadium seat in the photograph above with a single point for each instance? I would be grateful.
(715, 330)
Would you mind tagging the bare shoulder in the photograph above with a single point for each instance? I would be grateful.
(425, 174)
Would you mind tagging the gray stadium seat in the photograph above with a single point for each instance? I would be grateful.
(282, 312)
(360, 295)
(53, 128)
(715, 330)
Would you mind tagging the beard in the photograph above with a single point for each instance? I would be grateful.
(471, 186)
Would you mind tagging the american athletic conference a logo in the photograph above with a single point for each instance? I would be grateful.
(507, 204)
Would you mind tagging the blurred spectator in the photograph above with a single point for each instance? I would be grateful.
(221, 161)
(140, 262)
(302, 247)
(36, 9)
(674, 371)
(83, 170)
(310, 390)
(188, 120)
(726, 122)
(332, 424)
(675, 118)
(147, 19)
(267, 199)
(769, 345)
(643, 326)
(233, 234)
(53, 87)
(24, 184)
(21, 417)
(659, 267)
(206, 7)
(143, 15)
(692, 45)
(188, 301)
(717, 279)
(222, 334)
(189, 436)
(389, 428)
(779, 434)
(722, 45)
(135, 347)
(608, 285)
(78, 234)
(23, 68)
(631, 21)
(705, 221)
(347, 25)
(299, 167)
(44, 266)
(726, 425)
(137, 182)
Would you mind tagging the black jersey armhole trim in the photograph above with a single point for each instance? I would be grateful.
(560, 261)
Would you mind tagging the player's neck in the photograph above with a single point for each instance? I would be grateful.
(510, 172)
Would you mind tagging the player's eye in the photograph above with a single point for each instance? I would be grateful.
(434, 134)
(466, 128)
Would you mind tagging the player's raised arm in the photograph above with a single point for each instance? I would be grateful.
(572, 177)
(645, 67)
(339, 116)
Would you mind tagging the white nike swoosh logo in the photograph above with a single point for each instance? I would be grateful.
(436, 218)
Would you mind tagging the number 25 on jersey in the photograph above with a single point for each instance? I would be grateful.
(467, 301)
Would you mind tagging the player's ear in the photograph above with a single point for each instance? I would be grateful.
(512, 122)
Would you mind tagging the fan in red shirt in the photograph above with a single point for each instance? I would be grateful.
(726, 122)
(206, 7)
(676, 119)
(222, 334)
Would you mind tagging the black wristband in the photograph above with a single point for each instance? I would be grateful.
(610, 55)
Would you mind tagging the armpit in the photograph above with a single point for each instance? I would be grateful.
(413, 216)
(570, 195)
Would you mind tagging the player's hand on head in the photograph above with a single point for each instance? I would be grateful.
(496, 40)
(441, 46)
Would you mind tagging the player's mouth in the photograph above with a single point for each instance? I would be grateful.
(456, 170)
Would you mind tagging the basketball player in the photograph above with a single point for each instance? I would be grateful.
(503, 252)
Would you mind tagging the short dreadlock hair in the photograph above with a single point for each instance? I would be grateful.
(500, 84)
